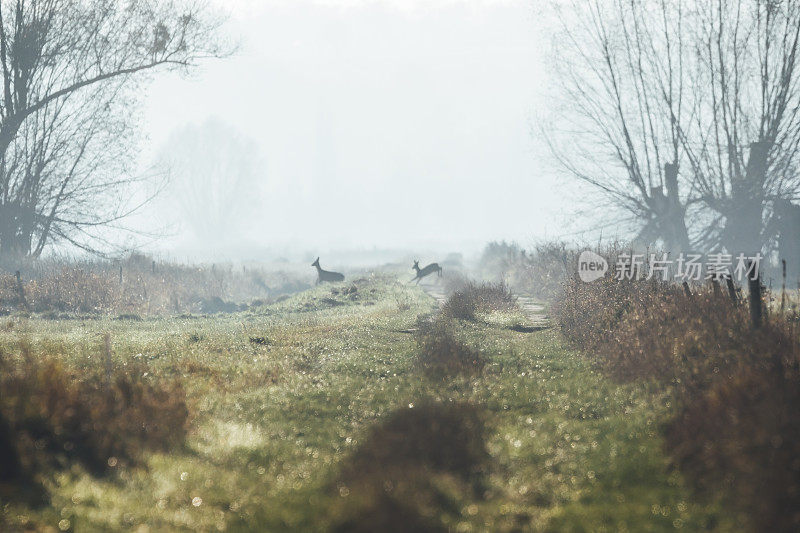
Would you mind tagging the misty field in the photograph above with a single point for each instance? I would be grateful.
(315, 413)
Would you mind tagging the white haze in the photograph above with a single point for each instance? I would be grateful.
(379, 124)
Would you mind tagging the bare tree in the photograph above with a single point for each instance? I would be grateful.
(625, 86)
(686, 106)
(743, 146)
(216, 176)
(72, 70)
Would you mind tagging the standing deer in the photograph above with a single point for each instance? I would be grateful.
(422, 272)
(326, 275)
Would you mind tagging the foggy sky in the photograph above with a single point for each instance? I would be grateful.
(385, 123)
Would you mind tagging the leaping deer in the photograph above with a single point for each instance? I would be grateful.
(326, 275)
(422, 272)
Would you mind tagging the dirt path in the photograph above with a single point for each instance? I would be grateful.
(530, 307)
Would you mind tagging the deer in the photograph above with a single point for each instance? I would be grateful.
(422, 272)
(326, 275)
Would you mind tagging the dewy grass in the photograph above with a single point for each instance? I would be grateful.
(273, 424)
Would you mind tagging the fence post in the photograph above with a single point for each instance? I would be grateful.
(783, 287)
(120, 274)
(732, 290)
(21, 291)
(687, 291)
(717, 290)
(755, 301)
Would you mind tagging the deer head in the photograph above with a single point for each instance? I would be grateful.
(315, 263)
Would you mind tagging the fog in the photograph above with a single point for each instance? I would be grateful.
(361, 125)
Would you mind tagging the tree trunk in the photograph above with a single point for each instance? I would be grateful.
(744, 216)
(16, 231)
(676, 212)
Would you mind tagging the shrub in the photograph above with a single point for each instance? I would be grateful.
(539, 272)
(737, 388)
(411, 467)
(441, 354)
(652, 329)
(379, 511)
(472, 298)
(439, 437)
(743, 434)
(56, 416)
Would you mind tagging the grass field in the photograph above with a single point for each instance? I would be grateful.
(281, 396)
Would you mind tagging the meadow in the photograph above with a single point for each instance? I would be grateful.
(320, 412)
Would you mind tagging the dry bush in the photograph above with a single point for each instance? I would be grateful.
(411, 466)
(737, 388)
(743, 435)
(57, 416)
(438, 437)
(653, 329)
(440, 354)
(73, 289)
(539, 272)
(471, 298)
(387, 513)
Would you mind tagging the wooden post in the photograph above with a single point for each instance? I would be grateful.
(154, 266)
(687, 291)
(21, 292)
(783, 287)
(717, 290)
(120, 274)
(755, 301)
(732, 290)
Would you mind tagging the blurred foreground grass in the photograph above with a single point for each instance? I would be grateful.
(282, 395)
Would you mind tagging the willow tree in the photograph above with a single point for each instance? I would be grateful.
(685, 110)
(72, 72)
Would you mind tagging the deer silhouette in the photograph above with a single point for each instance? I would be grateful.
(422, 272)
(326, 275)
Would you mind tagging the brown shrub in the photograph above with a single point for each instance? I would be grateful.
(440, 437)
(651, 329)
(471, 298)
(737, 388)
(441, 354)
(57, 416)
(409, 466)
(743, 435)
(539, 272)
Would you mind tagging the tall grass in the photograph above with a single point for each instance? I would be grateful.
(138, 285)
